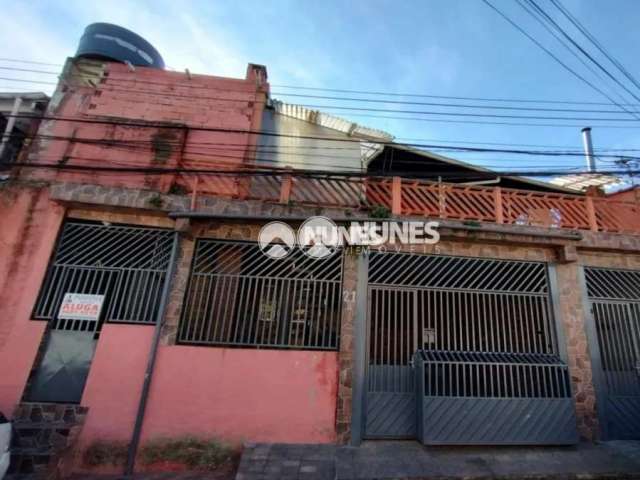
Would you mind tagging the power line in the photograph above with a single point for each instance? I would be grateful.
(285, 135)
(392, 94)
(417, 95)
(581, 49)
(313, 173)
(328, 97)
(477, 122)
(355, 110)
(569, 148)
(542, 20)
(552, 55)
(594, 41)
(15, 60)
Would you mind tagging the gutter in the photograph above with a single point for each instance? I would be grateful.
(481, 227)
(151, 360)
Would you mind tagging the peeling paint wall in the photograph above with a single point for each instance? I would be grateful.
(192, 121)
(30, 224)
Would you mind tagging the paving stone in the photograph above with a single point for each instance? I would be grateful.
(410, 460)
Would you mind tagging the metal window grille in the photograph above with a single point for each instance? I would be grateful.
(126, 264)
(239, 296)
(608, 284)
(455, 304)
(615, 303)
(494, 375)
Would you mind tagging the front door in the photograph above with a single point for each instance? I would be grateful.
(70, 344)
(100, 273)
(392, 340)
(614, 297)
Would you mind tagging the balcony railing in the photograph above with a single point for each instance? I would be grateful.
(430, 199)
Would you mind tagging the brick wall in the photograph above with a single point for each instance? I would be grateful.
(154, 118)
(345, 357)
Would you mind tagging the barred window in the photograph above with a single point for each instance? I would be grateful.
(128, 265)
(239, 296)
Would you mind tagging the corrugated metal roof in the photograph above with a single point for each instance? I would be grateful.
(330, 121)
(352, 129)
(582, 181)
(368, 150)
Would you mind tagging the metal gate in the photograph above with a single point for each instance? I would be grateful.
(614, 297)
(127, 265)
(453, 306)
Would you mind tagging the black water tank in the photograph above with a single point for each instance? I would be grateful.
(105, 41)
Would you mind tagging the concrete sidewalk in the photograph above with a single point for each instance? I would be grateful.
(410, 460)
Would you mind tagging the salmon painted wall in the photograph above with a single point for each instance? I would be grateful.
(243, 394)
(232, 394)
(113, 387)
(188, 106)
(29, 228)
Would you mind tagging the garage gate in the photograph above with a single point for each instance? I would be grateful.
(483, 333)
(614, 297)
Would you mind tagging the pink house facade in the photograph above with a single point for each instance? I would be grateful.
(145, 187)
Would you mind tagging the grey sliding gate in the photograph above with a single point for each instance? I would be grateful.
(614, 297)
(459, 308)
(126, 265)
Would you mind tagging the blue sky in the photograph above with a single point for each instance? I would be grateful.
(433, 47)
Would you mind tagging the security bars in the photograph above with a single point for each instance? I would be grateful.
(238, 296)
(486, 331)
(614, 297)
(456, 304)
(494, 375)
(493, 398)
(615, 302)
(126, 264)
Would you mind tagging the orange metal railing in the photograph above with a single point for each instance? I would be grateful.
(432, 199)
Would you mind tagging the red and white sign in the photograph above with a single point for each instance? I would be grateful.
(81, 306)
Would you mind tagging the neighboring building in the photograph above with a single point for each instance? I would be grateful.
(147, 189)
(629, 194)
(15, 124)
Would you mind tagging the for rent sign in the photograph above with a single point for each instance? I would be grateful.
(81, 306)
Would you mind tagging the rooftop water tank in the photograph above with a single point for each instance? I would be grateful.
(105, 41)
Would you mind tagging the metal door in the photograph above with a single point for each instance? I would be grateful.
(70, 344)
(393, 339)
(614, 297)
(127, 265)
(457, 307)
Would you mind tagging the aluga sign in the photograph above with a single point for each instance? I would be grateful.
(320, 237)
(81, 306)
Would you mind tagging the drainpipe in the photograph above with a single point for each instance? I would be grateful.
(6, 135)
(151, 361)
(588, 149)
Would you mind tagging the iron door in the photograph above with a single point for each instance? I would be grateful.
(390, 400)
(70, 344)
(614, 297)
(127, 266)
(63, 370)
